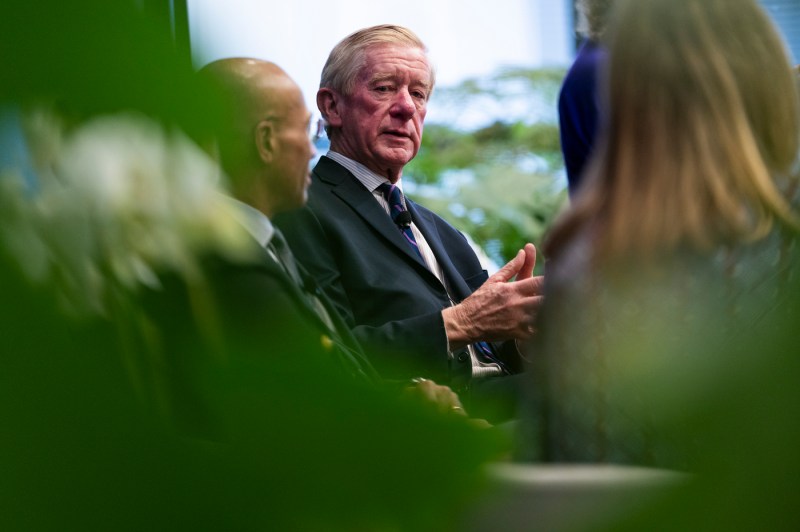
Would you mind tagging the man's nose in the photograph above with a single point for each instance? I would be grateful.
(403, 105)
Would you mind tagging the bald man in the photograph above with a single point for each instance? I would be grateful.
(262, 133)
(261, 139)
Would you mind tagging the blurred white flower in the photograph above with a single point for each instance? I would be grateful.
(117, 200)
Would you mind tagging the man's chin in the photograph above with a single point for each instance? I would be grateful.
(397, 157)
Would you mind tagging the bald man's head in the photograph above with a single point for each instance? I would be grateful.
(261, 132)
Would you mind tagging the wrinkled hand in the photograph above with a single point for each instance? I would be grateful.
(499, 310)
(441, 398)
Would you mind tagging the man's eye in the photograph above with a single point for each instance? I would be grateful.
(383, 88)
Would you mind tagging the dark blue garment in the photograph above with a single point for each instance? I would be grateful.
(385, 291)
(578, 110)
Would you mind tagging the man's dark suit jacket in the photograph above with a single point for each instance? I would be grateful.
(381, 287)
(259, 296)
(252, 331)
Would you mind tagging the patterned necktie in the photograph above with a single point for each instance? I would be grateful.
(400, 216)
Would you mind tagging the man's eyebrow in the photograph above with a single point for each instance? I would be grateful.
(387, 76)
(423, 84)
(380, 76)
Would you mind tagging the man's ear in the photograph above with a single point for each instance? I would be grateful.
(329, 104)
(265, 140)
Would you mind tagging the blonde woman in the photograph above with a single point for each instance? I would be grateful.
(681, 244)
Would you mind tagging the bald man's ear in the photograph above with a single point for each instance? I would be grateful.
(265, 141)
(329, 104)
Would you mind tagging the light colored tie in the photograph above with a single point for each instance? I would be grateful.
(283, 255)
(279, 250)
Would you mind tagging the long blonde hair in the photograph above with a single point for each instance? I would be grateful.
(702, 119)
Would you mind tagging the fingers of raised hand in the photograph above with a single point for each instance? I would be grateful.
(532, 286)
(526, 271)
(512, 268)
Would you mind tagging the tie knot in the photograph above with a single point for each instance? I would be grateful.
(394, 197)
(278, 241)
(283, 254)
(392, 194)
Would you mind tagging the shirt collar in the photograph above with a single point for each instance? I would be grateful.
(367, 177)
(254, 221)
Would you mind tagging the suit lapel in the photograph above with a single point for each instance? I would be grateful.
(273, 269)
(426, 223)
(347, 187)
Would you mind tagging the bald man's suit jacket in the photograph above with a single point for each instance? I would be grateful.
(248, 339)
(258, 298)
(381, 287)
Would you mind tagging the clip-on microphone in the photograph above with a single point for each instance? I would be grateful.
(403, 219)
